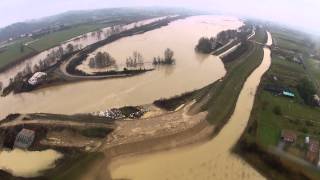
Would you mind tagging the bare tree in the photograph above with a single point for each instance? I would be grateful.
(168, 56)
(101, 60)
(70, 48)
(27, 70)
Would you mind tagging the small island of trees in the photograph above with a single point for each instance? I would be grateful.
(136, 60)
(167, 60)
(101, 60)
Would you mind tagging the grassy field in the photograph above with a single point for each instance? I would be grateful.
(289, 39)
(313, 67)
(13, 52)
(55, 38)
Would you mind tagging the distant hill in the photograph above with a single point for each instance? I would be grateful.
(81, 16)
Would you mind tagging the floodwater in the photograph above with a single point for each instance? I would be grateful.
(192, 71)
(27, 163)
(212, 160)
(79, 41)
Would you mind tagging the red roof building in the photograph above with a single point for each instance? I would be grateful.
(288, 136)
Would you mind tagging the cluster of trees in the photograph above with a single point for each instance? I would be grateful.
(101, 60)
(168, 58)
(52, 58)
(206, 45)
(224, 36)
(136, 60)
(306, 90)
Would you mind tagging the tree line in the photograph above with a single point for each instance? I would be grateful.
(207, 45)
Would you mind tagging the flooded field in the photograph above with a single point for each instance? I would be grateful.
(192, 71)
(80, 42)
(27, 163)
(212, 160)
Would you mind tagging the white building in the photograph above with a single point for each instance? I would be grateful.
(37, 78)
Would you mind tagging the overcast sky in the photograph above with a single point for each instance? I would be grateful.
(301, 13)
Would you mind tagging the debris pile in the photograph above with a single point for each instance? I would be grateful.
(121, 113)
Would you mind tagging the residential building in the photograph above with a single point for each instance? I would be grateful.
(24, 139)
(313, 151)
(288, 136)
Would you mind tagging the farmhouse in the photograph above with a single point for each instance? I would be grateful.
(288, 136)
(24, 139)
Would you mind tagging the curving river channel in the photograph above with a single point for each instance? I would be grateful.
(212, 160)
(192, 71)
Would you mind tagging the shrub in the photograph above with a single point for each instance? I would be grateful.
(277, 110)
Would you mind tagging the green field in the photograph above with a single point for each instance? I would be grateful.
(273, 113)
(313, 67)
(288, 39)
(13, 52)
(55, 38)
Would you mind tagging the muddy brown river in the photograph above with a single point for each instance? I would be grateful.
(27, 163)
(211, 160)
(192, 71)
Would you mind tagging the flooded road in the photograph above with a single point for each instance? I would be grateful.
(212, 160)
(27, 163)
(192, 71)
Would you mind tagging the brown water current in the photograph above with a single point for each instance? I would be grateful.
(192, 71)
(27, 163)
(211, 160)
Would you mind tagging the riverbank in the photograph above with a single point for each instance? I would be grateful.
(262, 144)
(180, 139)
(66, 70)
(200, 161)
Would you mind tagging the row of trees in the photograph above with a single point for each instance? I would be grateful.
(168, 58)
(207, 45)
(52, 58)
(101, 60)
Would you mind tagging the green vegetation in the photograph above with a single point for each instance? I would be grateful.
(55, 38)
(273, 113)
(223, 94)
(261, 35)
(291, 40)
(227, 91)
(313, 67)
(13, 51)
(205, 45)
(306, 91)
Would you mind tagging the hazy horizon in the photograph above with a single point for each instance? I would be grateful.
(300, 14)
